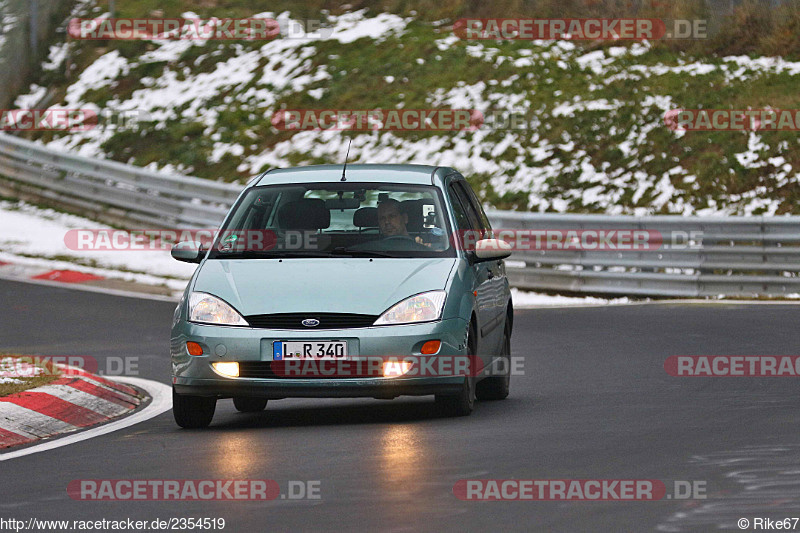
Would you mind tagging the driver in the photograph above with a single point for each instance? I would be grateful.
(391, 220)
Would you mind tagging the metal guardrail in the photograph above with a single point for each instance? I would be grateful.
(111, 191)
(697, 256)
(700, 256)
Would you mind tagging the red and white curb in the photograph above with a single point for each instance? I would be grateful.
(20, 271)
(76, 400)
(77, 280)
(160, 402)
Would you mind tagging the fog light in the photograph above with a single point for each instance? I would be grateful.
(227, 369)
(431, 347)
(396, 368)
(194, 349)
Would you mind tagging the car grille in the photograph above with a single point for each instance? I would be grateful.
(326, 320)
(264, 370)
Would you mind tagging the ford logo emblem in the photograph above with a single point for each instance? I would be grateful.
(310, 322)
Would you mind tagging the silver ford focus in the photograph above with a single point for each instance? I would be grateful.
(370, 281)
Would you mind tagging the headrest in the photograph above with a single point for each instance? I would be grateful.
(308, 213)
(413, 208)
(366, 217)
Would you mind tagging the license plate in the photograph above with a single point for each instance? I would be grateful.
(282, 350)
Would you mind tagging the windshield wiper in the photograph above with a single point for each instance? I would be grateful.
(360, 253)
(289, 254)
(269, 254)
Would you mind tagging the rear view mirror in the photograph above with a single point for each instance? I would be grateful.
(188, 252)
(342, 203)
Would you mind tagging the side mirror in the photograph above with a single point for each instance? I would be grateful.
(488, 249)
(188, 252)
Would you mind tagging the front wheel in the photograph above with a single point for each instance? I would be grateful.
(496, 387)
(462, 403)
(193, 412)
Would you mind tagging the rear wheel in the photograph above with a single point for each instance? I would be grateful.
(496, 387)
(245, 404)
(192, 411)
(461, 404)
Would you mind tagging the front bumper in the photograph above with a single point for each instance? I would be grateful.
(383, 388)
(194, 375)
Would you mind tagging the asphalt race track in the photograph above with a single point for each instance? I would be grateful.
(594, 403)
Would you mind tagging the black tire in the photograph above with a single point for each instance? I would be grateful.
(245, 404)
(461, 404)
(496, 387)
(193, 412)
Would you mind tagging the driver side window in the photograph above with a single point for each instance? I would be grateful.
(462, 220)
(476, 208)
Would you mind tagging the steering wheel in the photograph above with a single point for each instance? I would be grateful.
(409, 243)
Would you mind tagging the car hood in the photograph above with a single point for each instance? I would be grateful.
(351, 285)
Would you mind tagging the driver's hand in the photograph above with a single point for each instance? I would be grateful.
(419, 240)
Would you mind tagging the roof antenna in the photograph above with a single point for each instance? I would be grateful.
(345, 160)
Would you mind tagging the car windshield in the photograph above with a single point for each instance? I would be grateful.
(336, 220)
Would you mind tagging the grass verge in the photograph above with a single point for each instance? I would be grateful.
(18, 368)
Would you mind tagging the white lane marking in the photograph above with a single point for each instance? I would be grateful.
(162, 402)
(84, 399)
(16, 418)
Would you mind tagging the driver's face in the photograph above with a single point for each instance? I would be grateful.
(392, 221)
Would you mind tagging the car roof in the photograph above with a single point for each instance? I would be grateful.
(414, 174)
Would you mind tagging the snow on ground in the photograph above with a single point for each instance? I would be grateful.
(33, 236)
(528, 300)
(28, 101)
(13, 371)
(56, 56)
(352, 26)
(519, 162)
(288, 67)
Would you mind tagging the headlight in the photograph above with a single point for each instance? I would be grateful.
(209, 309)
(423, 307)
